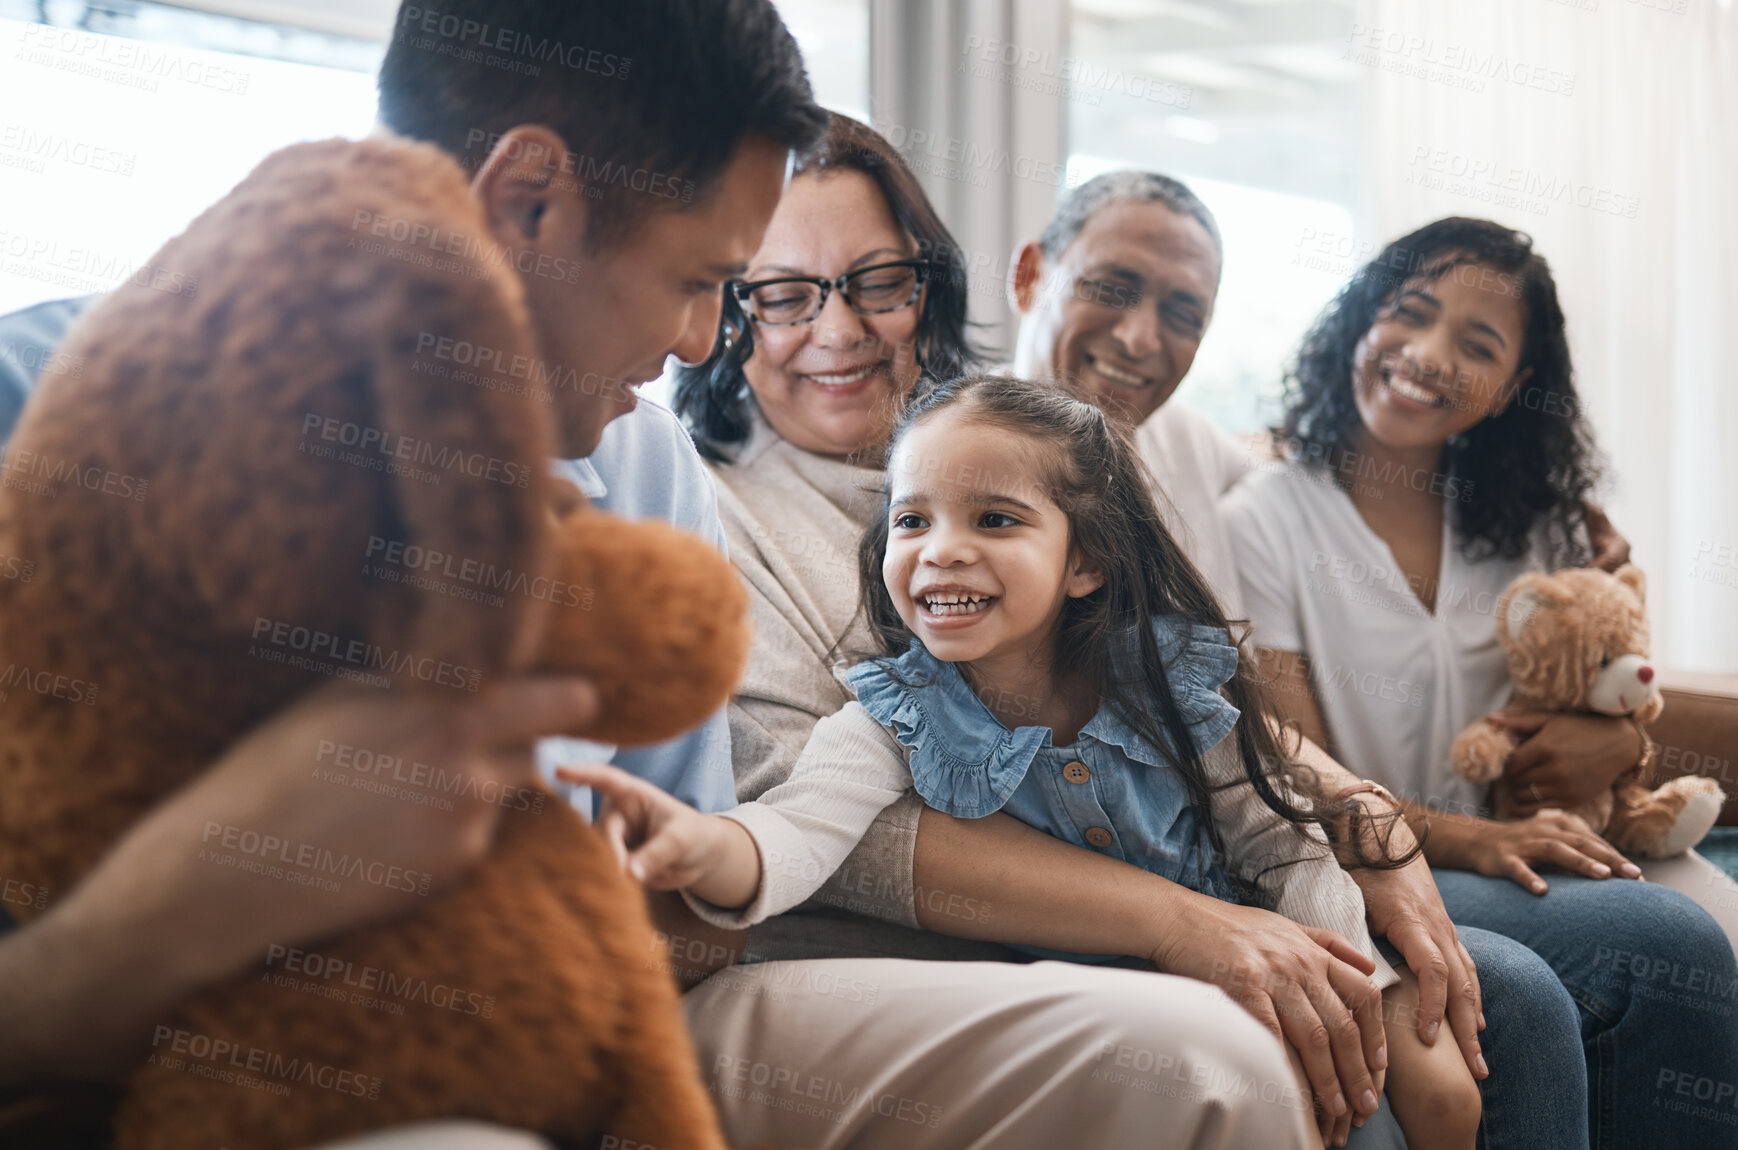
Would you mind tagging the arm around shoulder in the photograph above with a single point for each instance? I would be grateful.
(1294, 866)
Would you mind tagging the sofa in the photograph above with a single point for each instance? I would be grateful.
(1697, 734)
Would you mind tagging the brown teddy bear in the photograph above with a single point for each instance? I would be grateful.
(1578, 641)
(211, 512)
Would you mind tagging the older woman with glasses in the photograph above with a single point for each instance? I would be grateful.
(856, 292)
(822, 362)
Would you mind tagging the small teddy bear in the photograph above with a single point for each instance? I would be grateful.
(1578, 641)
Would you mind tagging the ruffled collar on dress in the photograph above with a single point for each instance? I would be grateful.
(965, 763)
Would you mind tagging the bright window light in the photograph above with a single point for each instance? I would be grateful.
(834, 38)
(110, 146)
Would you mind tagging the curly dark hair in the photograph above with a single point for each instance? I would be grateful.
(712, 397)
(1532, 465)
(1106, 639)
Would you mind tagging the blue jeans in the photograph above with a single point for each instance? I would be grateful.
(1536, 1095)
(1655, 990)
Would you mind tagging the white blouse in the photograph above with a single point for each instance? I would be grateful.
(1396, 682)
(1195, 464)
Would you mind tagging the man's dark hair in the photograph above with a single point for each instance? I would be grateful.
(1101, 192)
(652, 97)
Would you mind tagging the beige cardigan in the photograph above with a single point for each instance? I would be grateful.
(792, 520)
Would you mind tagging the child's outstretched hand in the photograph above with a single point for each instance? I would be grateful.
(668, 845)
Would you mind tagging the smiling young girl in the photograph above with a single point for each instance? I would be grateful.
(1050, 652)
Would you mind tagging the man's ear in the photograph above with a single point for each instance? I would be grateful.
(1083, 577)
(524, 187)
(1027, 277)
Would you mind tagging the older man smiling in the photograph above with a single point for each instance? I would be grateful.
(1116, 296)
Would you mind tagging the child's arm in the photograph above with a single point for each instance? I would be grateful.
(667, 844)
(762, 858)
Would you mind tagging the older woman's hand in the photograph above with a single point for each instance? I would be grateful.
(1310, 987)
(1405, 905)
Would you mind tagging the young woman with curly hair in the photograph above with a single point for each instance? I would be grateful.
(1435, 449)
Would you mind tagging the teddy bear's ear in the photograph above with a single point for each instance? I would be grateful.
(1526, 596)
(1522, 604)
(1631, 576)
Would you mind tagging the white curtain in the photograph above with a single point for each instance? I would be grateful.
(1608, 130)
(985, 143)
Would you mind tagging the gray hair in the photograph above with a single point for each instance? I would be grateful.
(1101, 192)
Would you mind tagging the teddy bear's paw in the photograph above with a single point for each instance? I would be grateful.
(656, 617)
(1480, 752)
(1702, 800)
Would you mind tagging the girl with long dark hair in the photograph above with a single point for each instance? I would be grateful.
(1046, 649)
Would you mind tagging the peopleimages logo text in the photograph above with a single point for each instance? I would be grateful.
(390, 445)
(354, 652)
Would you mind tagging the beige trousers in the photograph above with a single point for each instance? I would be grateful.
(444, 1136)
(904, 1055)
(894, 1054)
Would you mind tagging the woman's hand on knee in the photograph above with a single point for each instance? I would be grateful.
(1557, 838)
(1405, 905)
(1310, 987)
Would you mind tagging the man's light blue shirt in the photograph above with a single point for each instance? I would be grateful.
(645, 467)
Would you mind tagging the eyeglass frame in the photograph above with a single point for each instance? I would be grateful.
(741, 291)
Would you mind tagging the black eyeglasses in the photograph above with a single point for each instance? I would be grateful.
(799, 299)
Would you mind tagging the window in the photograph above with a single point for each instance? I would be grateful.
(834, 37)
(121, 122)
(1252, 106)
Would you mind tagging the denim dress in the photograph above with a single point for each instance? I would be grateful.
(1110, 791)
